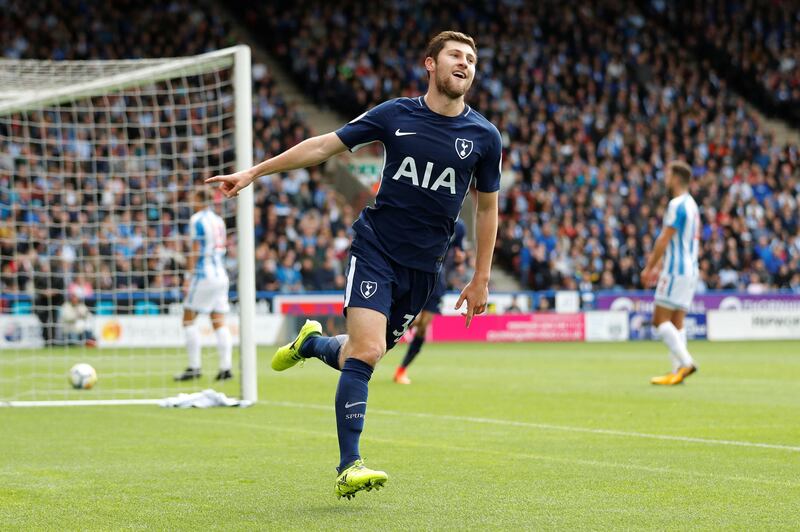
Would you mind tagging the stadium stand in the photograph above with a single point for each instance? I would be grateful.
(757, 45)
(297, 216)
(591, 102)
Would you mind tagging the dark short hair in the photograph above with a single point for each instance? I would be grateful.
(682, 170)
(436, 44)
(203, 194)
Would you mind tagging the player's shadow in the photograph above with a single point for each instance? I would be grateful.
(342, 507)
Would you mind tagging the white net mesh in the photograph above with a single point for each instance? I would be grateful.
(97, 162)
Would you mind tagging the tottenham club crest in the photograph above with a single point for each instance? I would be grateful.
(463, 148)
(368, 288)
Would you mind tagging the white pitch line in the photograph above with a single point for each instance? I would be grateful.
(564, 428)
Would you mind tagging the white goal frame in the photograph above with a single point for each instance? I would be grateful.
(148, 72)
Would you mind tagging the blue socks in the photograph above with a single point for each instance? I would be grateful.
(351, 394)
(351, 407)
(325, 348)
(413, 349)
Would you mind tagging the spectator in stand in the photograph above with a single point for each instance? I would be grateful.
(76, 322)
(48, 285)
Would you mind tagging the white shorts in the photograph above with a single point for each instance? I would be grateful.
(675, 291)
(208, 295)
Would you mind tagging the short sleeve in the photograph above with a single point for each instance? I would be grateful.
(487, 172)
(369, 127)
(675, 216)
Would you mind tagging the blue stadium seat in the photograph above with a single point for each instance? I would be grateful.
(145, 308)
(19, 308)
(104, 308)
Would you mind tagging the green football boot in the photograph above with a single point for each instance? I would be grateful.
(289, 355)
(357, 477)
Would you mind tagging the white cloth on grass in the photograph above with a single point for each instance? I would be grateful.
(204, 399)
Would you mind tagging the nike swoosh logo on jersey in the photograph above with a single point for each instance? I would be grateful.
(351, 405)
(404, 133)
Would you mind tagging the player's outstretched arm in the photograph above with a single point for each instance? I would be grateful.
(650, 272)
(310, 152)
(476, 293)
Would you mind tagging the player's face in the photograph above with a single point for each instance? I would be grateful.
(670, 182)
(454, 69)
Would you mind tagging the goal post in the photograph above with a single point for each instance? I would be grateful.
(244, 224)
(98, 160)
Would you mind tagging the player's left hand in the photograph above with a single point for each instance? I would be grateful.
(476, 294)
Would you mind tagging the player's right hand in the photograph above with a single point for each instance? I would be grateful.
(231, 184)
(649, 277)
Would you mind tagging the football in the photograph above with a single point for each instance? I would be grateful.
(82, 376)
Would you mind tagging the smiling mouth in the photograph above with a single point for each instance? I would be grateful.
(460, 75)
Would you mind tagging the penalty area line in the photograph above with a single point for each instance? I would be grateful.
(562, 428)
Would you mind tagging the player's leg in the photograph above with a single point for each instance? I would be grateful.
(192, 334)
(667, 321)
(369, 300)
(420, 326)
(673, 296)
(310, 343)
(661, 315)
(219, 309)
(431, 307)
(688, 365)
(224, 346)
(365, 346)
(326, 348)
(369, 285)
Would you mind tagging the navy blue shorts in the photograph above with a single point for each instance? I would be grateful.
(376, 282)
(434, 303)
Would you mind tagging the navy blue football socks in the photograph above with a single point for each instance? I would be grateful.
(325, 348)
(413, 349)
(351, 407)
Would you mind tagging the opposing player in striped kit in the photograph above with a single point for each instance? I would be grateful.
(206, 289)
(678, 245)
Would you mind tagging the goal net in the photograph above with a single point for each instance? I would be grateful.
(98, 162)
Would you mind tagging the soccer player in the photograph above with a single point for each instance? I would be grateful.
(678, 245)
(206, 290)
(432, 307)
(433, 146)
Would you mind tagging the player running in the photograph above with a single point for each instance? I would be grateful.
(432, 307)
(678, 244)
(433, 146)
(206, 290)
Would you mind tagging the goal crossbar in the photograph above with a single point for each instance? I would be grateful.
(19, 100)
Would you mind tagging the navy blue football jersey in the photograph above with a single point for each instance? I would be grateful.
(429, 162)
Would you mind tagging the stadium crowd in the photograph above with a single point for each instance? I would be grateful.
(756, 43)
(592, 101)
(77, 227)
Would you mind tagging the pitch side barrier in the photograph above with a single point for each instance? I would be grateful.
(512, 316)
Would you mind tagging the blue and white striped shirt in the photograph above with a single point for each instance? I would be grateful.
(208, 229)
(682, 251)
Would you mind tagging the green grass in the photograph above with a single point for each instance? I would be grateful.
(488, 436)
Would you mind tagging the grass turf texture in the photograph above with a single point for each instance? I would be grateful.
(487, 436)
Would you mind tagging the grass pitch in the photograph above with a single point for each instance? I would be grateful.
(501, 436)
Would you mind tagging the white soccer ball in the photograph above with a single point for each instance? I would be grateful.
(82, 376)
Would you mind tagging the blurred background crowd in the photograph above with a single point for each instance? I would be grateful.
(592, 100)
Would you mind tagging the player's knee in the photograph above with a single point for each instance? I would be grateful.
(369, 351)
